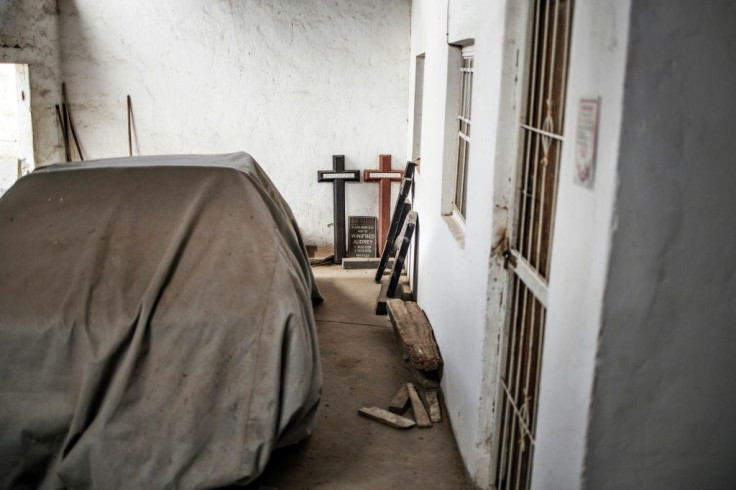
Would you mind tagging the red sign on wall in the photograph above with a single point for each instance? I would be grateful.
(586, 141)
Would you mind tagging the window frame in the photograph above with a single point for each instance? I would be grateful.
(463, 125)
(418, 108)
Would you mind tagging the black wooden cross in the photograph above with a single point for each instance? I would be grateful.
(338, 176)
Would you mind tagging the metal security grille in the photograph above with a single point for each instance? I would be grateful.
(530, 249)
(463, 134)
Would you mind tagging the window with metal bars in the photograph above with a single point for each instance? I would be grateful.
(463, 132)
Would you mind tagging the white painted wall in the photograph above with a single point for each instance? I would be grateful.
(292, 83)
(464, 289)
(29, 34)
(665, 395)
(581, 244)
(453, 265)
(637, 368)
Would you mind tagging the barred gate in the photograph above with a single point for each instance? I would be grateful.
(530, 248)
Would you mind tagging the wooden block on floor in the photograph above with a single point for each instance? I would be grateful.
(420, 413)
(321, 252)
(383, 298)
(386, 417)
(435, 413)
(415, 334)
(400, 401)
(407, 294)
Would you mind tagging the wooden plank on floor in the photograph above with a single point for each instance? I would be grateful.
(435, 413)
(420, 413)
(386, 417)
(415, 334)
(400, 402)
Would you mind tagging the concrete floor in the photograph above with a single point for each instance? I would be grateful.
(362, 367)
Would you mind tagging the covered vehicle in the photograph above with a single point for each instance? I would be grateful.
(156, 325)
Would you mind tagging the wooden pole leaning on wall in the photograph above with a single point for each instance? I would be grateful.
(130, 127)
(69, 127)
(65, 135)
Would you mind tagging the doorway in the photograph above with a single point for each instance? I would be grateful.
(16, 132)
(530, 248)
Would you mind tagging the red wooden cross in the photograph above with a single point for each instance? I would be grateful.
(384, 176)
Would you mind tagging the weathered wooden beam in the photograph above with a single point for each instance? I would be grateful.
(400, 401)
(386, 417)
(415, 334)
(420, 413)
(435, 413)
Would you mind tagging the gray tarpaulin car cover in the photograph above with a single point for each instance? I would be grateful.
(156, 325)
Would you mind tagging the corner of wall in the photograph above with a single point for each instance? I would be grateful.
(29, 34)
